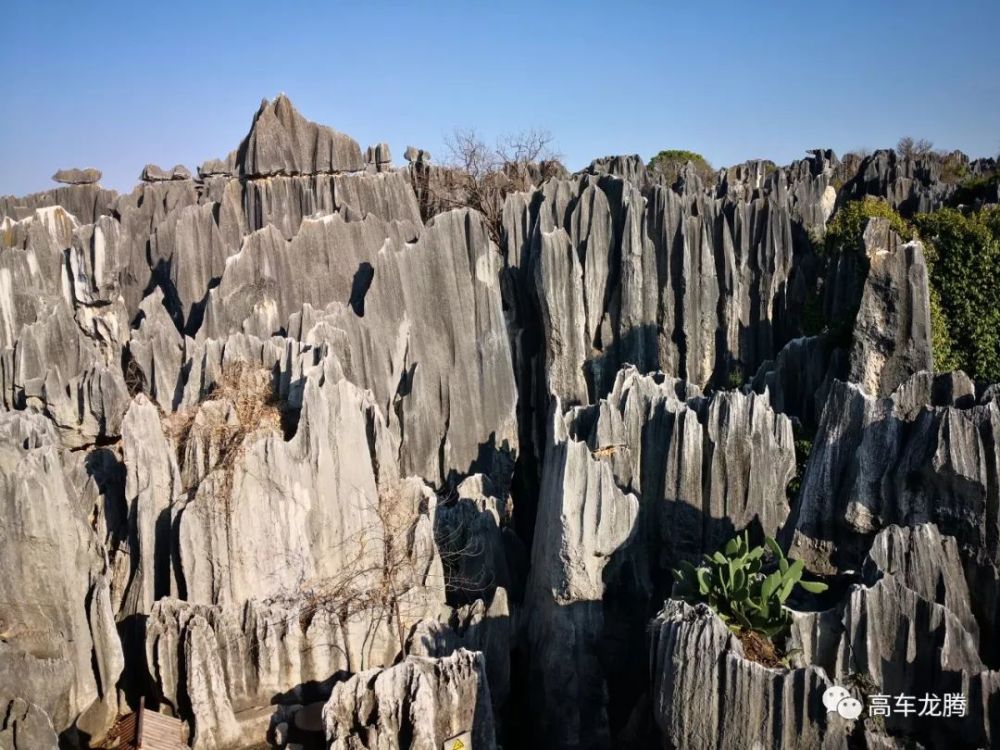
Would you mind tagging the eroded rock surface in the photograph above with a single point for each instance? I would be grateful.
(418, 703)
(299, 452)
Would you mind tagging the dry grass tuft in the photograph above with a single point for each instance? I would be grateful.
(240, 406)
(606, 451)
(249, 391)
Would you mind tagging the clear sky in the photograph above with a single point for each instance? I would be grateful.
(118, 84)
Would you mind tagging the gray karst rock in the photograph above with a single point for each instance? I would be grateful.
(798, 379)
(273, 559)
(926, 562)
(96, 262)
(479, 626)
(32, 259)
(302, 454)
(707, 693)
(417, 155)
(282, 141)
(934, 464)
(909, 184)
(888, 295)
(379, 157)
(59, 649)
(285, 202)
(224, 667)
(25, 726)
(583, 519)
(420, 703)
(631, 168)
(156, 354)
(699, 287)
(654, 474)
(269, 269)
(409, 350)
(926, 454)
(76, 176)
(470, 534)
(892, 330)
(55, 367)
(84, 202)
(152, 487)
(153, 173)
(189, 248)
(219, 167)
(908, 630)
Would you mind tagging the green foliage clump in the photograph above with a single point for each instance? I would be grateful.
(803, 449)
(736, 377)
(945, 357)
(734, 584)
(973, 189)
(845, 232)
(963, 255)
(669, 163)
(953, 167)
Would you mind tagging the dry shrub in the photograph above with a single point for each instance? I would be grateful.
(479, 176)
(380, 570)
(249, 390)
(239, 406)
(606, 451)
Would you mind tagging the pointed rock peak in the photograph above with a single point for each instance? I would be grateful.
(283, 142)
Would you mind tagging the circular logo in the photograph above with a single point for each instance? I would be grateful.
(834, 695)
(839, 700)
(849, 708)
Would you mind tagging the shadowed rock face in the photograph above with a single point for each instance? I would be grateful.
(654, 474)
(296, 465)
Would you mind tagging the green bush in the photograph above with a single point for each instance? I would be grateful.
(963, 255)
(733, 583)
(972, 189)
(845, 234)
(803, 449)
(845, 231)
(669, 163)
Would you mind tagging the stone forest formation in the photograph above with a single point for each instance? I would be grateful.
(308, 449)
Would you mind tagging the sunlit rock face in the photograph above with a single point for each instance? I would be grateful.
(301, 452)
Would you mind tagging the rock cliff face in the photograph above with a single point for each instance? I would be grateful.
(297, 457)
(418, 703)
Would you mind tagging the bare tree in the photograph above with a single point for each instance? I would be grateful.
(476, 175)
(910, 148)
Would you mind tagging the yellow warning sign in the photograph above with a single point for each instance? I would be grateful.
(461, 741)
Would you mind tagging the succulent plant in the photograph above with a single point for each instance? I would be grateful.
(734, 583)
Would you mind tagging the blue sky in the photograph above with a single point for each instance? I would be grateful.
(116, 85)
